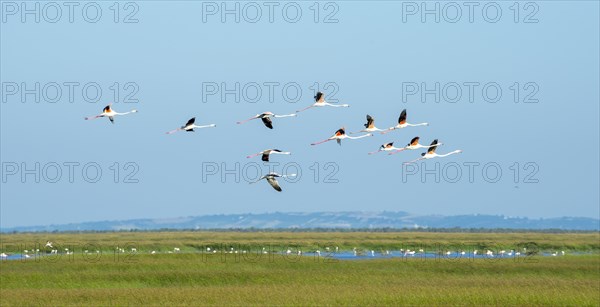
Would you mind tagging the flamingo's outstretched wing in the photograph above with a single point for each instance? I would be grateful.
(402, 118)
(319, 97)
(414, 141)
(370, 121)
(191, 121)
(268, 122)
(432, 147)
(274, 183)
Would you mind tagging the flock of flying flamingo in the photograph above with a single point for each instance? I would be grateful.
(338, 136)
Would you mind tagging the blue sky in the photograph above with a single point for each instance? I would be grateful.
(365, 57)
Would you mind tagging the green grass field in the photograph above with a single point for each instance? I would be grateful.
(195, 278)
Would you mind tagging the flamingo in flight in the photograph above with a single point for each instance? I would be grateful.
(190, 125)
(369, 126)
(266, 118)
(265, 154)
(402, 123)
(431, 153)
(340, 135)
(414, 144)
(320, 102)
(385, 147)
(272, 181)
(110, 113)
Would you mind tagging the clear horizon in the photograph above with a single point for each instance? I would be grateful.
(281, 212)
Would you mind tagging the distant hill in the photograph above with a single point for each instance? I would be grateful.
(339, 220)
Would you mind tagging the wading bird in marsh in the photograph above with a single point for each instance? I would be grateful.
(414, 144)
(369, 126)
(431, 153)
(190, 126)
(267, 152)
(385, 147)
(266, 118)
(272, 181)
(110, 113)
(402, 123)
(320, 102)
(340, 135)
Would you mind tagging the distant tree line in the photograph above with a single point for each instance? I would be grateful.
(319, 229)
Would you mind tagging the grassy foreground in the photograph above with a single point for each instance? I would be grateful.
(188, 278)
